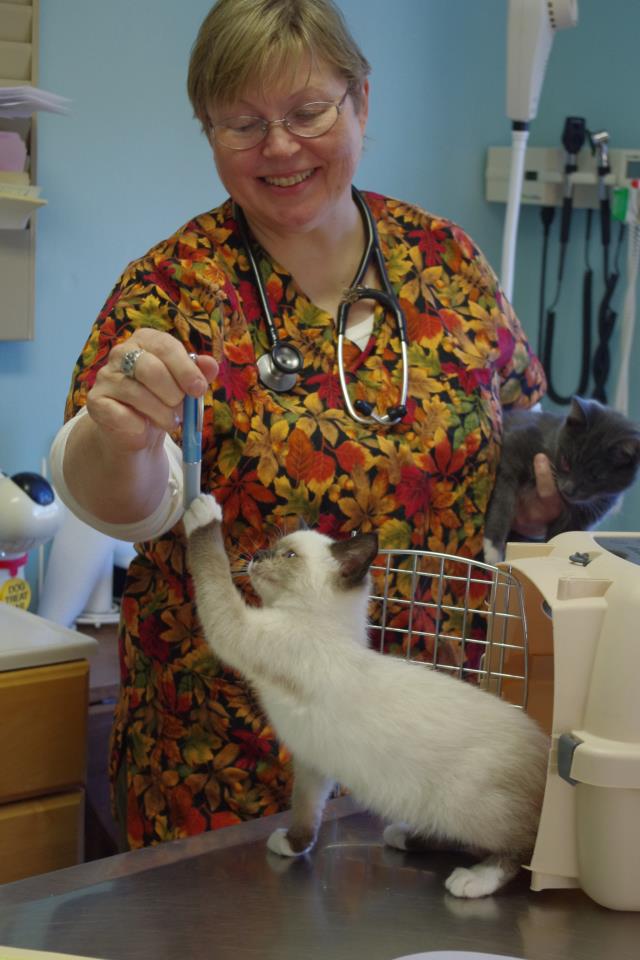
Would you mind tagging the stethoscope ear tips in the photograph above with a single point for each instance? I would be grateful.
(395, 414)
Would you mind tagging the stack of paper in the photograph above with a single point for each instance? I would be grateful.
(24, 100)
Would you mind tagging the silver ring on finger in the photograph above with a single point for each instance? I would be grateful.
(128, 363)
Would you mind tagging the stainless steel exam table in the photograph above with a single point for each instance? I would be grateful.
(222, 895)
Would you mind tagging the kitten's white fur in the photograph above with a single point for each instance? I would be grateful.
(203, 510)
(491, 553)
(411, 744)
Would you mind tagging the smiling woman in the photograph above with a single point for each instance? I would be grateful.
(287, 181)
(282, 92)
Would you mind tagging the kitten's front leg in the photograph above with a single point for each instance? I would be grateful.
(500, 516)
(221, 609)
(310, 792)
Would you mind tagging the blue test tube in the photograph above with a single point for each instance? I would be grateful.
(192, 415)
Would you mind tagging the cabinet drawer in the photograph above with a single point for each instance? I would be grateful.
(43, 719)
(37, 836)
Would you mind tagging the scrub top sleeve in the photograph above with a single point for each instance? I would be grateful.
(163, 518)
(522, 379)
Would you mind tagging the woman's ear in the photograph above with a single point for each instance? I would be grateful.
(363, 112)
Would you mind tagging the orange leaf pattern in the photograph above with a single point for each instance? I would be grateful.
(196, 750)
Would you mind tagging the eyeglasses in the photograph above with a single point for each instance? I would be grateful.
(308, 121)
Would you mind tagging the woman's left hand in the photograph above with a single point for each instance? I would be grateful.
(540, 507)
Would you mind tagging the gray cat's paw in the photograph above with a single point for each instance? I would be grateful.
(492, 554)
(395, 835)
(279, 843)
(201, 512)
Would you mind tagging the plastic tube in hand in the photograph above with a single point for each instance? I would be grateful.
(193, 410)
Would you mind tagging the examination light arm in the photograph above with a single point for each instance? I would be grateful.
(530, 31)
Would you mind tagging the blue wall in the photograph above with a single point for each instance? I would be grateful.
(130, 164)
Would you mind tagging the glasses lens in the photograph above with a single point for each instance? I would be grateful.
(312, 119)
(309, 120)
(240, 133)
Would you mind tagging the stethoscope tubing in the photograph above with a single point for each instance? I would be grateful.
(262, 294)
(285, 374)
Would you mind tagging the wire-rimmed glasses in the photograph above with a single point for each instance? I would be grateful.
(310, 120)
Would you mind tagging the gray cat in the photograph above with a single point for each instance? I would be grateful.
(594, 453)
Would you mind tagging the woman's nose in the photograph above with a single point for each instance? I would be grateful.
(279, 142)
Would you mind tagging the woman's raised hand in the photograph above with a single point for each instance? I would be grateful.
(136, 400)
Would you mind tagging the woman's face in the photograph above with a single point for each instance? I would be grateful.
(287, 184)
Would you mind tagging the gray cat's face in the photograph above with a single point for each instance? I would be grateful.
(604, 462)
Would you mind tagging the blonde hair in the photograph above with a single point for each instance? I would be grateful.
(242, 42)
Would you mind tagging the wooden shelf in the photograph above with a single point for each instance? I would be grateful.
(15, 212)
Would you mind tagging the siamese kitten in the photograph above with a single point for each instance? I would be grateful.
(447, 760)
(594, 453)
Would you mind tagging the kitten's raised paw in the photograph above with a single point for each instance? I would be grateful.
(395, 835)
(278, 843)
(202, 511)
(492, 554)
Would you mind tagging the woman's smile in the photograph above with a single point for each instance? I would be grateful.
(288, 179)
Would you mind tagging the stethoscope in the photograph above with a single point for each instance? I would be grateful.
(280, 367)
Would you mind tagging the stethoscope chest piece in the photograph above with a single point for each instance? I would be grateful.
(279, 369)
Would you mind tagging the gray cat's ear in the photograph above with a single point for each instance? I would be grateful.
(302, 524)
(355, 556)
(628, 453)
(579, 412)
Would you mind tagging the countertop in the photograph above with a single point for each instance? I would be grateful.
(223, 895)
(27, 640)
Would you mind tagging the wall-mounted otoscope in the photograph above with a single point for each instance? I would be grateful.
(600, 146)
(574, 136)
(606, 315)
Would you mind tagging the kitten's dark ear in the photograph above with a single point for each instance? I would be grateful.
(579, 412)
(628, 453)
(302, 524)
(355, 556)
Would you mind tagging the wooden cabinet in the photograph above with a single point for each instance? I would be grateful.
(40, 835)
(43, 718)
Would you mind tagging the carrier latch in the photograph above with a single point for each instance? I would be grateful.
(583, 559)
(567, 744)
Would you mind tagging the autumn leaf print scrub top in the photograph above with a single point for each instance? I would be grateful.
(190, 745)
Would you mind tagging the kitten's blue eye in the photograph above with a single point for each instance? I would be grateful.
(290, 553)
